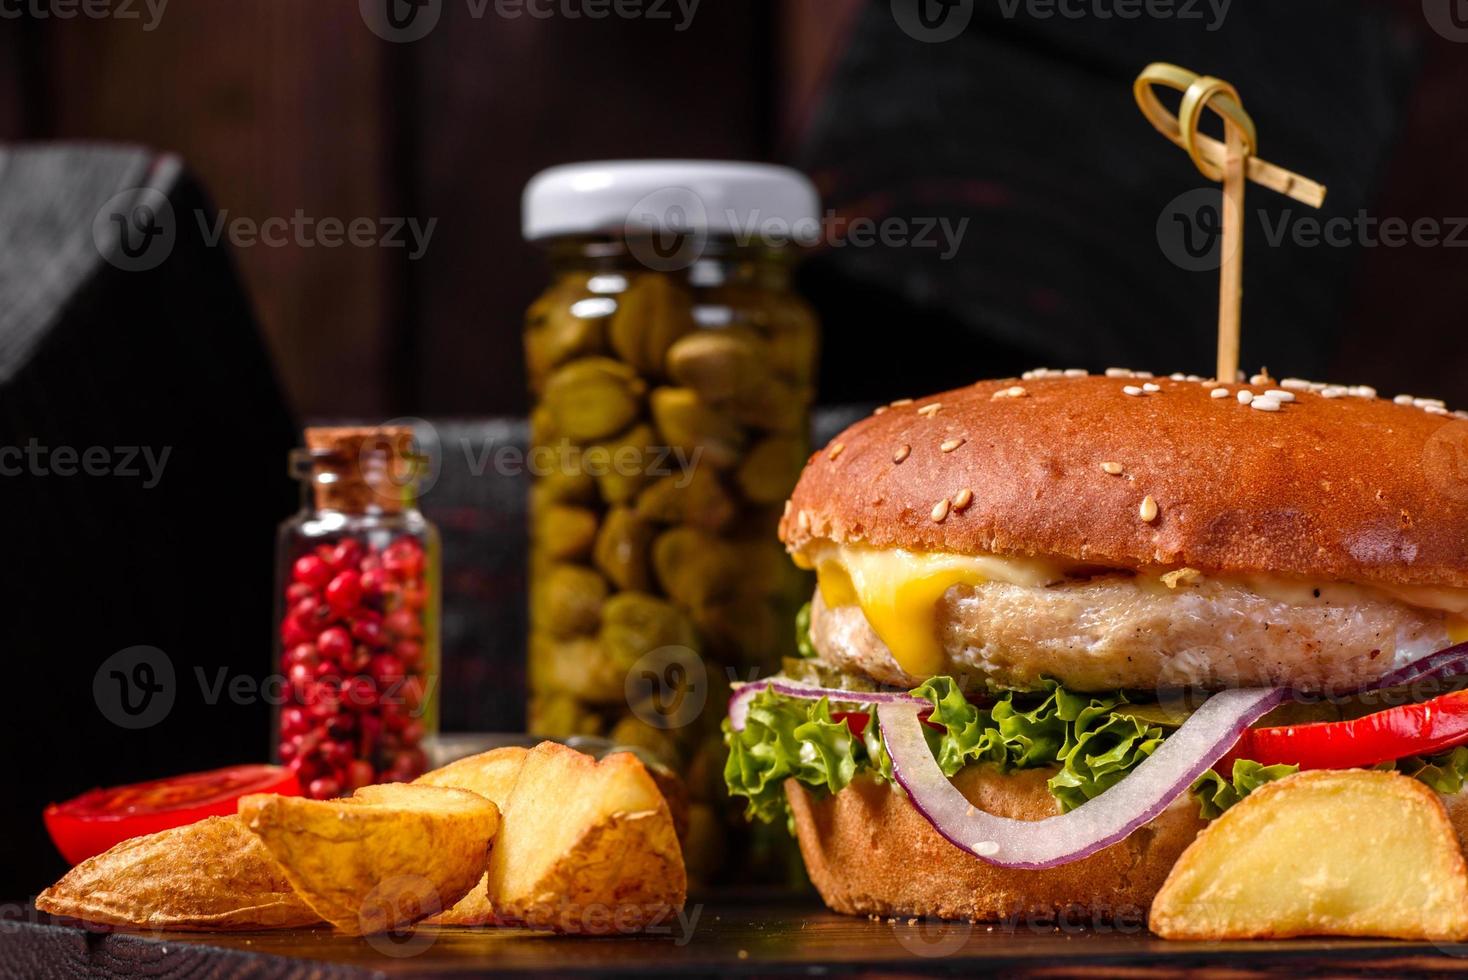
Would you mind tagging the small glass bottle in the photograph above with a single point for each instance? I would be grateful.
(357, 604)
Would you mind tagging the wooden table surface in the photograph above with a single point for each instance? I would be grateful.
(727, 937)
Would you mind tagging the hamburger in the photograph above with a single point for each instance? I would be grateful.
(1063, 621)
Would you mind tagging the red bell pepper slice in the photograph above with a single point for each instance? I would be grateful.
(1408, 729)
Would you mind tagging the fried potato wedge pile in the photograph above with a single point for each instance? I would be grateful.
(586, 846)
(546, 837)
(380, 859)
(213, 874)
(1325, 853)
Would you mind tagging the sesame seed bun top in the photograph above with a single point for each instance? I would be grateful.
(1335, 484)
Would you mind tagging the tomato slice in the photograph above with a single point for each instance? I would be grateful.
(91, 823)
(1408, 729)
(857, 721)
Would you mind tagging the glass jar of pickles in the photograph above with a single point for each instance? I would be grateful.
(672, 369)
(357, 606)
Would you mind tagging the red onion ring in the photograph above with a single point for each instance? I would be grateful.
(1448, 662)
(739, 702)
(1135, 801)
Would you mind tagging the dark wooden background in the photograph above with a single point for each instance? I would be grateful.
(280, 105)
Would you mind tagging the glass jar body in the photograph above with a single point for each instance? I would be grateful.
(670, 421)
(357, 608)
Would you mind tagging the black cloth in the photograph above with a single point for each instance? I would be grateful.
(1027, 128)
(151, 349)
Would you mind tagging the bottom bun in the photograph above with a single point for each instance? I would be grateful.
(870, 852)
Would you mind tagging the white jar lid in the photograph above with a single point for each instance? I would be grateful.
(753, 201)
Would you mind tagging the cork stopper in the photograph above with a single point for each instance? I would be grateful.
(361, 468)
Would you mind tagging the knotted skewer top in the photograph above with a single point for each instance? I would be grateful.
(1207, 153)
(1232, 162)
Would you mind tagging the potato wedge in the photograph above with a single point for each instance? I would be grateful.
(587, 846)
(492, 775)
(381, 859)
(1326, 853)
(213, 875)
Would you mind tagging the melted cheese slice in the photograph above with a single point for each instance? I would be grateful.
(898, 591)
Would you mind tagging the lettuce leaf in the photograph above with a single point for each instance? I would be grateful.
(804, 646)
(1445, 772)
(1093, 746)
(1094, 740)
(1215, 794)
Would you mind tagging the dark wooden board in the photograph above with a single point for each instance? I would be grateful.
(726, 938)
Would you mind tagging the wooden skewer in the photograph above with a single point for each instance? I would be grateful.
(1231, 161)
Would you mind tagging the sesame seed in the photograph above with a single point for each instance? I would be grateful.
(1265, 404)
(1361, 391)
(1260, 379)
(1149, 509)
(1141, 374)
(1017, 392)
(1279, 395)
(930, 410)
(951, 444)
(1295, 384)
(1118, 372)
(1218, 393)
(1075, 372)
(940, 511)
(1131, 390)
(1429, 403)
(901, 402)
(1113, 468)
(1245, 397)
(1333, 391)
(836, 450)
(1435, 410)
(788, 505)
(1179, 376)
(1403, 400)
(1151, 387)
(903, 451)
(962, 499)
(880, 410)
(1193, 377)
(802, 520)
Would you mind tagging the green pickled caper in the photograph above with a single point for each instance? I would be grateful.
(622, 549)
(771, 467)
(564, 533)
(692, 425)
(719, 364)
(696, 497)
(592, 399)
(563, 486)
(763, 566)
(743, 629)
(559, 715)
(773, 406)
(623, 465)
(554, 334)
(635, 624)
(651, 315)
(634, 732)
(566, 600)
(578, 667)
(694, 567)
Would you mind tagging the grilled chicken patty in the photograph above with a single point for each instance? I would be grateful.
(1110, 633)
